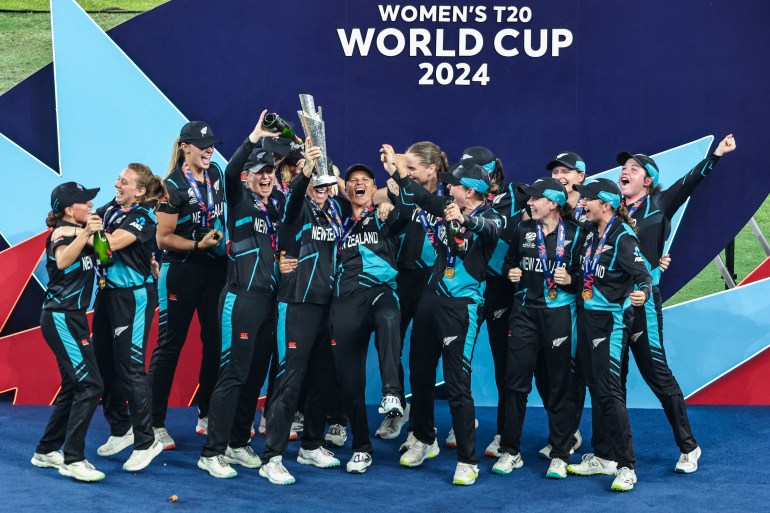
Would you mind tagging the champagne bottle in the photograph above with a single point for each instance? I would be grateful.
(454, 235)
(102, 249)
(276, 123)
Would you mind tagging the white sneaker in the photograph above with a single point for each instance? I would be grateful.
(688, 463)
(243, 456)
(557, 469)
(217, 466)
(418, 452)
(507, 463)
(493, 449)
(275, 472)
(321, 458)
(115, 444)
(359, 463)
(451, 439)
(53, 459)
(624, 480)
(82, 471)
(465, 474)
(592, 465)
(337, 435)
(162, 436)
(139, 459)
(545, 452)
(410, 441)
(391, 406)
(391, 426)
(202, 427)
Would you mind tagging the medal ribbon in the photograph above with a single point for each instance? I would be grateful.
(367, 212)
(271, 229)
(559, 258)
(207, 209)
(335, 221)
(589, 264)
(632, 210)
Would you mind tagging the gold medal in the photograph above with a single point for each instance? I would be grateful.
(552, 294)
(587, 294)
(449, 272)
(102, 283)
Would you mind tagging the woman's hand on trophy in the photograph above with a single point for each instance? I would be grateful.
(383, 210)
(514, 275)
(287, 265)
(312, 154)
(260, 131)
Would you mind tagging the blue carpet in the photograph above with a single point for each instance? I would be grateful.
(731, 477)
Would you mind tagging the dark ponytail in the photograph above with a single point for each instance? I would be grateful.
(53, 218)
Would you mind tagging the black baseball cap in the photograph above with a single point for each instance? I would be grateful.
(69, 193)
(480, 155)
(199, 134)
(277, 145)
(259, 158)
(468, 174)
(548, 187)
(644, 161)
(601, 188)
(359, 167)
(295, 155)
(568, 159)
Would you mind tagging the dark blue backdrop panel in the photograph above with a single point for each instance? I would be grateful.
(643, 77)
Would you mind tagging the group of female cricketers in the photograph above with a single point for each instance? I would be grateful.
(293, 267)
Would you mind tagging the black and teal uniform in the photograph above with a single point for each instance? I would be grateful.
(603, 322)
(509, 203)
(123, 314)
(415, 256)
(189, 281)
(446, 322)
(246, 308)
(652, 216)
(64, 326)
(542, 327)
(365, 300)
(310, 234)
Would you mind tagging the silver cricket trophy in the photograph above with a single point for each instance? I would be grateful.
(314, 127)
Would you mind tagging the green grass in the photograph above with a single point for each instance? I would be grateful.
(88, 5)
(25, 47)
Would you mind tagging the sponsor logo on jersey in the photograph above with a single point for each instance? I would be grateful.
(636, 336)
(529, 240)
(606, 247)
(119, 330)
(558, 341)
(172, 297)
(215, 185)
(84, 342)
(138, 226)
(598, 341)
(292, 345)
(244, 336)
(498, 313)
(334, 341)
(448, 340)
(378, 297)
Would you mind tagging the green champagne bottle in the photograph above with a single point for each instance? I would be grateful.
(102, 249)
(276, 123)
(455, 235)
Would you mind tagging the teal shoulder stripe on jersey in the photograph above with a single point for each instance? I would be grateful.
(242, 221)
(75, 265)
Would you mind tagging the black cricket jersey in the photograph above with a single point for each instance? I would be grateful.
(523, 253)
(367, 250)
(71, 288)
(467, 278)
(653, 216)
(415, 250)
(253, 229)
(309, 234)
(621, 269)
(131, 265)
(182, 201)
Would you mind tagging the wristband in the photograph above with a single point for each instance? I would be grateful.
(195, 246)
